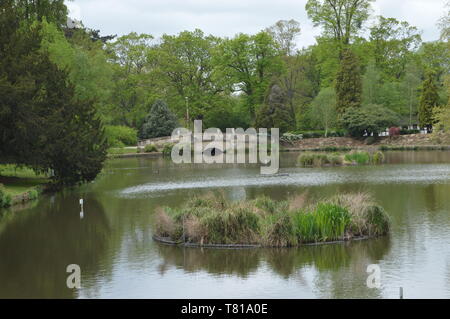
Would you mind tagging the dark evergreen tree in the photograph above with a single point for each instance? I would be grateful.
(429, 100)
(43, 125)
(348, 82)
(275, 112)
(159, 122)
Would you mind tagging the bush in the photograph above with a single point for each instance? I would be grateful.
(120, 136)
(378, 158)
(167, 149)
(150, 148)
(5, 199)
(370, 119)
(159, 122)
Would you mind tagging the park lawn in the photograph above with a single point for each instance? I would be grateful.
(19, 180)
(122, 150)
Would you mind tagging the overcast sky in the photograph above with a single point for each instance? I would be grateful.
(228, 17)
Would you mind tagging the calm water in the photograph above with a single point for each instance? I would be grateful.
(113, 243)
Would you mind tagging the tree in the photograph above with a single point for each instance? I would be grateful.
(371, 84)
(53, 11)
(410, 85)
(159, 122)
(340, 19)
(368, 120)
(284, 32)
(394, 43)
(348, 82)
(44, 125)
(444, 24)
(275, 113)
(323, 109)
(249, 64)
(300, 82)
(132, 85)
(429, 100)
(184, 63)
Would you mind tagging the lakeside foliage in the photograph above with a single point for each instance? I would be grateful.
(263, 221)
(310, 159)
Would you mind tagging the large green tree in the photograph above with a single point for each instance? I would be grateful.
(249, 64)
(284, 32)
(394, 44)
(348, 82)
(44, 125)
(429, 100)
(323, 110)
(185, 65)
(275, 113)
(340, 19)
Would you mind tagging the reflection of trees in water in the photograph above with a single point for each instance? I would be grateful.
(337, 265)
(38, 245)
(239, 262)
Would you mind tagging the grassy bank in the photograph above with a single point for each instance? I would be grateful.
(271, 223)
(19, 184)
(310, 159)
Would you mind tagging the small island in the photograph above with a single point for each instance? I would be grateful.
(263, 222)
(317, 159)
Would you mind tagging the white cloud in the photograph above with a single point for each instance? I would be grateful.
(228, 17)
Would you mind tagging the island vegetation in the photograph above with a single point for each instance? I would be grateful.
(311, 159)
(211, 220)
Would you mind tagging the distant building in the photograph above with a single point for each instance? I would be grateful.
(74, 24)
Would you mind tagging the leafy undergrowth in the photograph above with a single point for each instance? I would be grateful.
(263, 221)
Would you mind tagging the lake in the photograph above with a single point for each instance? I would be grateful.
(113, 243)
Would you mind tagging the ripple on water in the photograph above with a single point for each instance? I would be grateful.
(404, 174)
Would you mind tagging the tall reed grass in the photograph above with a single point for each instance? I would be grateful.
(263, 221)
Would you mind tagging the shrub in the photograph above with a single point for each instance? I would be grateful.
(306, 159)
(159, 122)
(150, 148)
(378, 158)
(368, 119)
(33, 194)
(120, 136)
(5, 198)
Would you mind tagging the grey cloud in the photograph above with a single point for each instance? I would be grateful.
(228, 17)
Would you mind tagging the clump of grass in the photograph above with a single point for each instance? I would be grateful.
(378, 158)
(272, 223)
(360, 158)
(339, 159)
(167, 149)
(327, 222)
(150, 148)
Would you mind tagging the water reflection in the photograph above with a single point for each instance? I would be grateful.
(34, 259)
